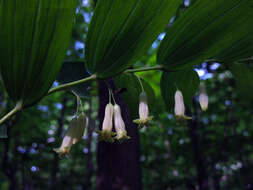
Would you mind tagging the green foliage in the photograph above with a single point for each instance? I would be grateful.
(187, 81)
(244, 78)
(131, 87)
(220, 30)
(34, 38)
(73, 71)
(172, 157)
(122, 31)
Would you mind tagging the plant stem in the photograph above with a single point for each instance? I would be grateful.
(67, 85)
(16, 109)
(157, 67)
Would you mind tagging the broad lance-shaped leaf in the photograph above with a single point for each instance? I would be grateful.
(187, 81)
(132, 90)
(218, 29)
(34, 38)
(121, 31)
(243, 74)
(73, 71)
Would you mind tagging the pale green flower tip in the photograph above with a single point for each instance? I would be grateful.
(122, 137)
(143, 122)
(62, 151)
(204, 108)
(106, 136)
(187, 117)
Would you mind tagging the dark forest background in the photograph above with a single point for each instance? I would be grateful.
(214, 150)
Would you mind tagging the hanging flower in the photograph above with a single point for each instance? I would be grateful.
(203, 97)
(106, 133)
(143, 111)
(121, 133)
(179, 107)
(73, 134)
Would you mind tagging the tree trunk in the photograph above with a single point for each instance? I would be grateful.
(118, 164)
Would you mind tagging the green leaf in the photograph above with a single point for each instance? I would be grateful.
(122, 31)
(220, 30)
(133, 89)
(243, 74)
(73, 71)
(34, 38)
(187, 81)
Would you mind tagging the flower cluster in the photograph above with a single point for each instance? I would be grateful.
(113, 112)
(73, 134)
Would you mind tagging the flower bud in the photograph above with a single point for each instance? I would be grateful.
(119, 124)
(106, 134)
(179, 106)
(203, 98)
(143, 111)
(73, 134)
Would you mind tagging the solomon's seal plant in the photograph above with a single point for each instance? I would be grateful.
(203, 97)
(73, 134)
(179, 107)
(143, 111)
(121, 133)
(106, 133)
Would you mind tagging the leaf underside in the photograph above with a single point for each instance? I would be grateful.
(73, 71)
(34, 38)
(217, 29)
(187, 81)
(130, 95)
(122, 31)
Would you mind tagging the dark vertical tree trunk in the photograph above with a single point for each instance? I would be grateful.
(118, 164)
(202, 174)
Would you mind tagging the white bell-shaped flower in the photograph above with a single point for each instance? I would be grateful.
(73, 134)
(143, 111)
(203, 97)
(121, 133)
(179, 106)
(106, 133)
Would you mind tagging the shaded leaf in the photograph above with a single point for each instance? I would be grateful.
(121, 31)
(73, 71)
(243, 74)
(34, 38)
(133, 89)
(220, 30)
